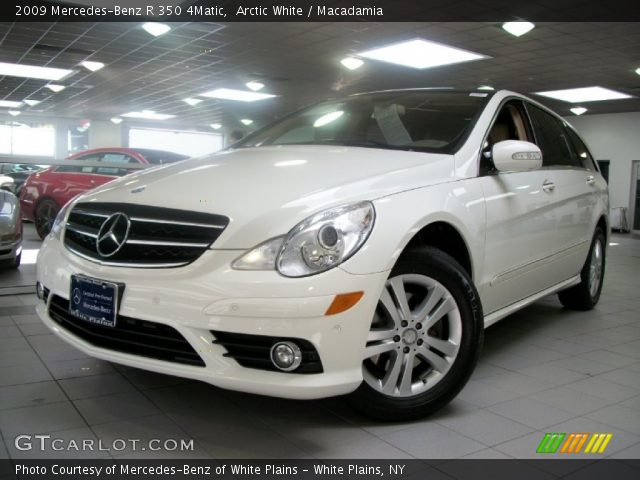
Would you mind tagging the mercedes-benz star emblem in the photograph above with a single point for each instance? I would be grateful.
(77, 296)
(113, 234)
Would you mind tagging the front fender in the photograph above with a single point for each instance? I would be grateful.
(401, 216)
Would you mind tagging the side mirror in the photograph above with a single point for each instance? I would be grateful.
(516, 156)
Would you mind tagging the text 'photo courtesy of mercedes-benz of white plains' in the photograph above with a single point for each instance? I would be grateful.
(356, 247)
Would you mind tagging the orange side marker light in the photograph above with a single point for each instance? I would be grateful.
(343, 302)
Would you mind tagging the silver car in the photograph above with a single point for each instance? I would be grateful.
(10, 230)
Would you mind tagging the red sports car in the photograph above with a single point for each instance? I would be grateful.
(45, 192)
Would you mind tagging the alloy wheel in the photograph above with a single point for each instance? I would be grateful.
(595, 268)
(414, 337)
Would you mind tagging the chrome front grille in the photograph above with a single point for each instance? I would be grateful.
(157, 237)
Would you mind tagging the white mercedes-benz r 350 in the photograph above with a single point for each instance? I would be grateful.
(359, 246)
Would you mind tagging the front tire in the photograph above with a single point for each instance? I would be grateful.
(45, 215)
(586, 294)
(424, 341)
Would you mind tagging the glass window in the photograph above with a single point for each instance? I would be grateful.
(160, 157)
(552, 138)
(420, 120)
(117, 158)
(35, 139)
(192, 144)
(90, 157)
(78, 136)
(581, 149)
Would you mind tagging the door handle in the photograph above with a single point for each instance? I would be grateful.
(591, 180)
(548, 186)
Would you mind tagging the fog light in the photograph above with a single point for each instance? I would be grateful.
(286, 356)
(39, 291)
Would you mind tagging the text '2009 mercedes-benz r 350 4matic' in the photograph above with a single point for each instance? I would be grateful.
(359, 246)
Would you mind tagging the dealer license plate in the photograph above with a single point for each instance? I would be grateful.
(94, 300)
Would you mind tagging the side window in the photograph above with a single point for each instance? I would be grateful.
(582, 151)
(511, 123)
(115, 157)
(553, 140)
(91, 157)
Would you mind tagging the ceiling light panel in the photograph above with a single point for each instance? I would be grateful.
(246, 121)
(92, 66)
(148, 115)
(255, 86)
(55, 87)
(156, 29)
(9, 104)
(32, 103)
(586, 94)
(32, 71)
(238, 95)
(578, 110)
(14, 113)
(517, 29)
(192, 101)
(351, 63)
(421, 54)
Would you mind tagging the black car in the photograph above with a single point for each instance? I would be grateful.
(19, 172)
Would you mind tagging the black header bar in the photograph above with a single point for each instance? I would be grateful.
(321, 10)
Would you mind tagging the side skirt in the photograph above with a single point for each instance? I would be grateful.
(508, 310)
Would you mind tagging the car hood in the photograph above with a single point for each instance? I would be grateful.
(265, 191)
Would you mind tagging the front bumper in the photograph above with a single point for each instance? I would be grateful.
(208, 295)
(10, 250)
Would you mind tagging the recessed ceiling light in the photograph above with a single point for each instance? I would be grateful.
(31, 71)
(517, 29)
(9, 104)
(421, 54)
(14, 113)
(192, 101)
(54, 87)
(586, 94)
(148, 115)
(32, 103)
(239, 95)
(486, 87)
(351, 63)
(246, 121)
(578, 110)
(116, 120)
(255, 86)
(92, 66)
(156, 29)
(216, 126)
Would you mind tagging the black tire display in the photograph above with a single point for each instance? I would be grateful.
(585, 295)
(424, 341)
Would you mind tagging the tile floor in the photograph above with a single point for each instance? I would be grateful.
(543, 369)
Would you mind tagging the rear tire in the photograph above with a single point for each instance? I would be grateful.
(425, 338)
(45, 215)
(586, 294)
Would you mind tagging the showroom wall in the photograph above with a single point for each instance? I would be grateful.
(614, 137)
(105, 134)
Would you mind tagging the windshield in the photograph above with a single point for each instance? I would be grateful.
(420, 120)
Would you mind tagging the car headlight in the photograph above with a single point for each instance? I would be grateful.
(58, 223)
(317, 244)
